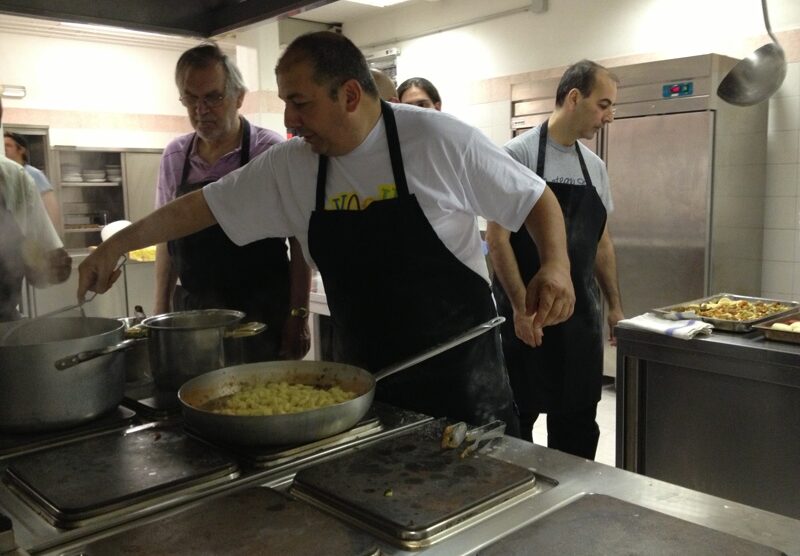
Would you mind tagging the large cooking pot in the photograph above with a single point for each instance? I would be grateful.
(181, 345)
(186, 344)
(294, 428)
(34, 396)
(137, 359)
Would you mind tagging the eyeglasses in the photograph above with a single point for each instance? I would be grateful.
(210, 101)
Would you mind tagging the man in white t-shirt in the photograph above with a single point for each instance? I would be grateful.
(384, 200)
(560, 374)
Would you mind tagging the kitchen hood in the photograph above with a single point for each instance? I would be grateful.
(194, 18)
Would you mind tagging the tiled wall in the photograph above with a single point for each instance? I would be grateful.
(781, 267)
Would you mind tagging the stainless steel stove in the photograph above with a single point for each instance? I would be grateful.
(89, 486)
(256, 505)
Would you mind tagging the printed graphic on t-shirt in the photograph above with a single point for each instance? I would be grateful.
(568, 180)
(351, 200)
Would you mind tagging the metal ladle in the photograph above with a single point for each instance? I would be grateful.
(758, 76)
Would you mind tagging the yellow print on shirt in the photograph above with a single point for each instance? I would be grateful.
(351, 201)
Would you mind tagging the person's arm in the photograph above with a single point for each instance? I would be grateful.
(50, 202)
(166, 280)
(605, 269)
(550, 296)
(186, 215)
(506, 270)
(296, 340)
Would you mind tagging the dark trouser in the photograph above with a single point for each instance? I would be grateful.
(575, 433)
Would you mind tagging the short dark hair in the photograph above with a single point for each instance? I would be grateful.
(421, 83)
(19, 140)
(582, 76)
(334, 59)
(205, 55)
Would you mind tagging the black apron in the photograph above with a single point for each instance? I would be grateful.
(394, 289)
(565, 373)
(216, 273)
(12, 265)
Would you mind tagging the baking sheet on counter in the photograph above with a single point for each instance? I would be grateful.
(684, 311)
(770, 333)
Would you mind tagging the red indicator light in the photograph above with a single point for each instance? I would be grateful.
(676, 89)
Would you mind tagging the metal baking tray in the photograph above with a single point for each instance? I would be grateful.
(780, 335)
(677, 310)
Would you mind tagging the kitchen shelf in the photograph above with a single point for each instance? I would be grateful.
(81, 230)
(90, 184)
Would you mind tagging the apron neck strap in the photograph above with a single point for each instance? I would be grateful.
(244, 153)
(543, 150)
(395, 154)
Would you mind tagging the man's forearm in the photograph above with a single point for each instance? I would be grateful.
(299, 276)
(545, 223)
(606, 271)
(166, 278)
(505, 266)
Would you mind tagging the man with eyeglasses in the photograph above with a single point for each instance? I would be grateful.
(560, 372)
(258, 279)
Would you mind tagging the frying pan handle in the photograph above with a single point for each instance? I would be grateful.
(246, 329)
(444, 346)
(72, 360)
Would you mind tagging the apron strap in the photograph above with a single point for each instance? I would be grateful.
(244, 153)
(396, 155)
(543, 149)
(398, 170)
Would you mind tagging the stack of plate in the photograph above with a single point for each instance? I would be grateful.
(94, 175)
(114, 173)
(71, 173)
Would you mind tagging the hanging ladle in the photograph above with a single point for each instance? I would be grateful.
(758, 76)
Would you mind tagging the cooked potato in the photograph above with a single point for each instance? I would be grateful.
(277, 398)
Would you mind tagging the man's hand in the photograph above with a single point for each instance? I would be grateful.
(59, 266)
(524, 329)
(98, 271)
(613, 317)
(295, 338)
(550, 296)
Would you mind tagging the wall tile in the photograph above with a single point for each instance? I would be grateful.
(781, 180)
(778, 276)
(784, 113)
(780, 213)
(791, 84)
(779, 245)
(782, 147)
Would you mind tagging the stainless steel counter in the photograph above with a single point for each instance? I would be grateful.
(719, 414)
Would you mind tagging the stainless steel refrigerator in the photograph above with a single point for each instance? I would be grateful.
(687, 177)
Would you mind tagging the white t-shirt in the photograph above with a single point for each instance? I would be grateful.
(561, 164)
(455, 172)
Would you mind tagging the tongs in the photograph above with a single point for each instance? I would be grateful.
(475, 440)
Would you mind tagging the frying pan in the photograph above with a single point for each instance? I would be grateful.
(294, 428)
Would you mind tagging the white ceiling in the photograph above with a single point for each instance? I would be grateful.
(344, 11)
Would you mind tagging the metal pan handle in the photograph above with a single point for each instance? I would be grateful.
(444, 346)
(72, 360)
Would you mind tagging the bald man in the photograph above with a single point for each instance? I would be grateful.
(386, 88)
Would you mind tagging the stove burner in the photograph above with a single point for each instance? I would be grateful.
(18, 444)
(152, 403)
(409, 490)
(266, 457)
(116, 474)
(250, 521)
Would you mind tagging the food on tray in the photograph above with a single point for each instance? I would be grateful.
(277, 398)
(788, 326)
(726, 308)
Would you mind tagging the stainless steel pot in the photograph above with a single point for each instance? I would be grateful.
(186, 344)
(34, 396)
(294, 428)
(137, 359)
